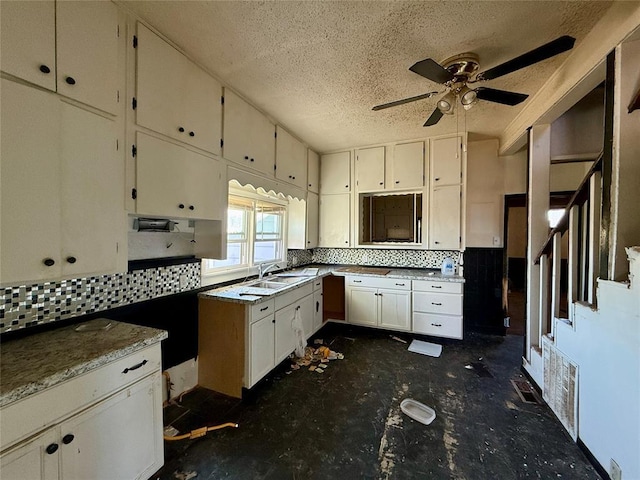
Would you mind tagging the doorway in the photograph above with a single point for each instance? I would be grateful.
(515, 264)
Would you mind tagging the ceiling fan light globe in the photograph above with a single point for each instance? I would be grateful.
(445, 104)
(468, 97)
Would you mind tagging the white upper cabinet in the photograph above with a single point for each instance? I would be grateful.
(335, 173)
(28, 37)
(406, 168)
(291, 159)
(313, 171)
(335, 223)
(73, 45)
(444, 218)
(303, 222)
(61, 189)
(249, 136)
(370, 169)
(174, 96)
(445, 158)
(87, 53)
(175, 182)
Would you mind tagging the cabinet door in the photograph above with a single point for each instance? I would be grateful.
(120, 437)
(334, 220)
(176, 182)
(444, 218)
(249, 137)
(362, 305)
(31, 460)
(284, 334)
(201, 109)
(335, 173)
(370, 169)
(306, 313)
(312, 220)
(261, 348)
(317, 310)
(87, 53)
(395, 309)
(92, 201)
(29, 184)
(446, 161)
(407, 167)
(28, 41)
(313, 171)
(174, 96)
(291, 159)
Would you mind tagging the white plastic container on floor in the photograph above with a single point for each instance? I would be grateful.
(418, 411)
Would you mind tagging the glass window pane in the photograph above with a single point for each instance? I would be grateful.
(267, 251)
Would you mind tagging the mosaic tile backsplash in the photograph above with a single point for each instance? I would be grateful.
(388, 258)
(29, 305)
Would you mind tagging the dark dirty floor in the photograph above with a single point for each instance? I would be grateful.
(346, 422)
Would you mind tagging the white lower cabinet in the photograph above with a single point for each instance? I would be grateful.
(238, 344)
(379, 302)
(317, 305)
(437, 308)
(261, 348)
(119, 436)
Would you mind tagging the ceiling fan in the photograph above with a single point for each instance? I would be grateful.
(458, 72)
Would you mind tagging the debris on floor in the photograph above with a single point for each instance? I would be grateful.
(479, 368)
(185, 475)
(418, 411)
(170, 431)
(525, 391)
(317, 359)
(425, 348)
(397, 339)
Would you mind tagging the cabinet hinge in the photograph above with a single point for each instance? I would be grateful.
(222, 100)
(275, 166)
(118, 31)
(135, 41)
(134, 193)
(221, 143)
(134, 151)
(134, 103)
(275, 134)
(118, 96)
(117, 145)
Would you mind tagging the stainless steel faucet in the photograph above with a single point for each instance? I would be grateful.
(261, 272)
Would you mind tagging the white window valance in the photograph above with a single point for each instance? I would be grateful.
(267, 186)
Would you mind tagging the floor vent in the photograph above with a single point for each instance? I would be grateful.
(560, 389)
(525, 391)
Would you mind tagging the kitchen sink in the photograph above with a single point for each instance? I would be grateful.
(268, 284)
(287, 279)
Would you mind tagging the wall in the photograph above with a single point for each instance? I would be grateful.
(580, 130)
(605, 345)
(485, 195)
(515, 173)
(566, 177)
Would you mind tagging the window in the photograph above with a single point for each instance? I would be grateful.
(254, 235)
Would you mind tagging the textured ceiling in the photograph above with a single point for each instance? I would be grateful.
(317, 67)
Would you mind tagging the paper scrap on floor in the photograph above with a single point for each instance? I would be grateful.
(425, 348)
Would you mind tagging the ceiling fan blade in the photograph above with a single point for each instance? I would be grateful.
(403, 101)
(500, 96)
(548, 50)
(431, 70)
(434, 118)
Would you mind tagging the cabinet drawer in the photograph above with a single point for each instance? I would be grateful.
(377, 282)
(317, 284)
(293, 296)
(445, 303)
(36, 412)
(262, 309)
(439, 287)
(449, 326)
